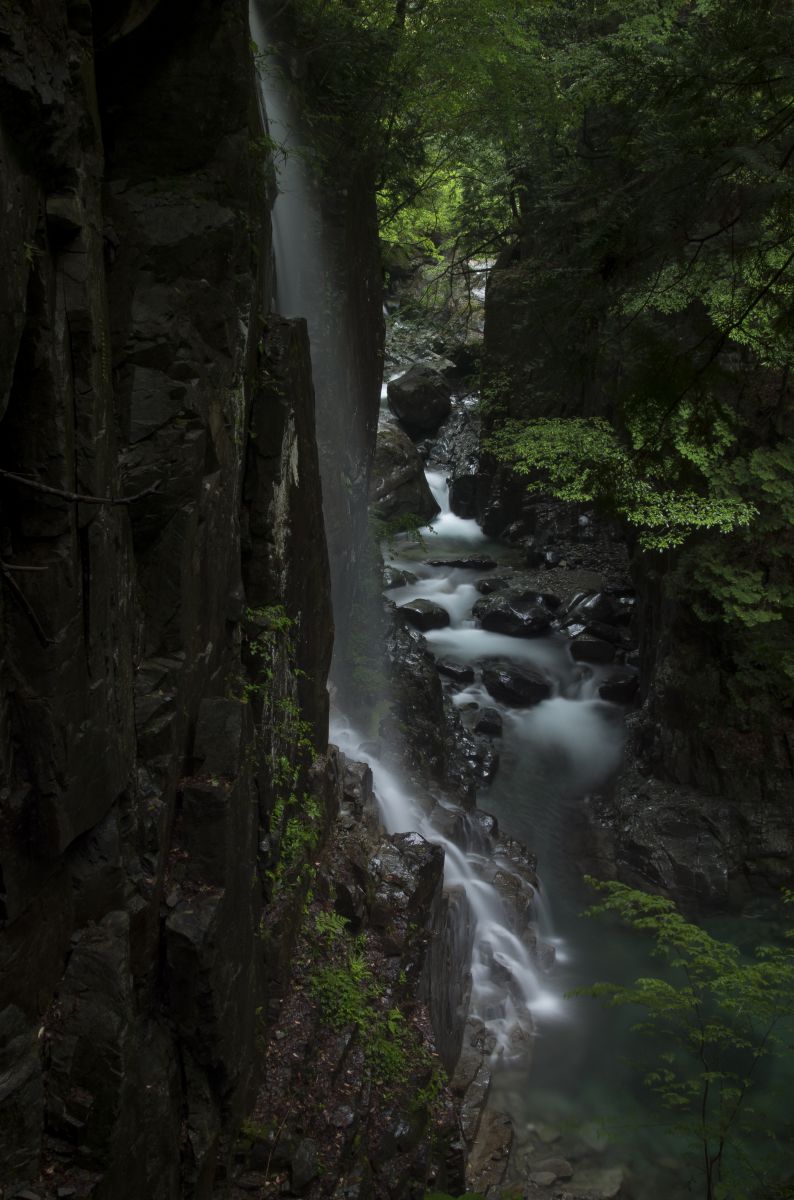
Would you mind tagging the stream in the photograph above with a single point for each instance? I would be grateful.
(559, 1066)
(557, 1062)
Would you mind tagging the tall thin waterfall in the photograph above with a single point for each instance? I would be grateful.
(313, 281)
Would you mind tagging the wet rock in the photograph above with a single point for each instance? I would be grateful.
(393, 578)
(487, 586)
(21, 1094)
(486, 763)
(542, 1178)
(560, 1168)
(460, 672)
(218, 736)
(489, 1155)
(398, 487)
(666, 838)
(400, 1133)
(463, 496)
(468, 564)
(595, 607)
(424, 614)
(304, 1165)
(511, 615)
(517, 686)
(435, 748)
(544, 954)
(421, 398)
(607, 633)
(489, 722)
(620, 686)
(342, 1117)
(588, 649)
(535, 552)
(483, 827)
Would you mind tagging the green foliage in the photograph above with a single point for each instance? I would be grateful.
(330, 926)
(581, 459)
(285, 744)
(386, 530)
(349, 996)
(721, 1019)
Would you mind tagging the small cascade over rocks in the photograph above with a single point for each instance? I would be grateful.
(506, 655)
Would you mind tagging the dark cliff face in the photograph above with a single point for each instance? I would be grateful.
(708, 814)
(134, 362)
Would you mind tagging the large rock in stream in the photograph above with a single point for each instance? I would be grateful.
(513, 615)
(398, 487)
(424, 614)
(520, 687)
(421, 398)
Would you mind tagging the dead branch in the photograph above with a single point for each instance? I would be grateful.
(76, 497)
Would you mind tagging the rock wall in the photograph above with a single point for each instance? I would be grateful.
(136, 733)
(705, 809)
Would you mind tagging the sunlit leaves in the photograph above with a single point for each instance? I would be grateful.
(580, 459)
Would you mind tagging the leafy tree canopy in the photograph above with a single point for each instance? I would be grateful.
(719, 1021)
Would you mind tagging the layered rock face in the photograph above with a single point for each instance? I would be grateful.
(135, 368)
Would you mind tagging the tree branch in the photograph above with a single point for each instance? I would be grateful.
(76, 497)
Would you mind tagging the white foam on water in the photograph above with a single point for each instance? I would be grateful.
(583, 736)
(507, 988)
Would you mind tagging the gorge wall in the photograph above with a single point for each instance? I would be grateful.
(164, 595)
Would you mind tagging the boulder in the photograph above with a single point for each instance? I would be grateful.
(620, 686)
(463, 496)
(492, 584)
(597, 606)
(517, 686)
(508, 613)
(394, 578)
(535, 552)
(559, 1167)
(421, 398)
(398, 487)
(588, 649)
(489, 722)
(424, 614)
(460, 672)
(467, 564)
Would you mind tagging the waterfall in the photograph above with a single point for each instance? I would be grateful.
(313, 263)
(510, 993)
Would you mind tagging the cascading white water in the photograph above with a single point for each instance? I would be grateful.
(573, 737)
(508, 991)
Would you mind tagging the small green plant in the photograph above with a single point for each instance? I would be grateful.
(349, 995)
(386, 530)
(330, 926)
